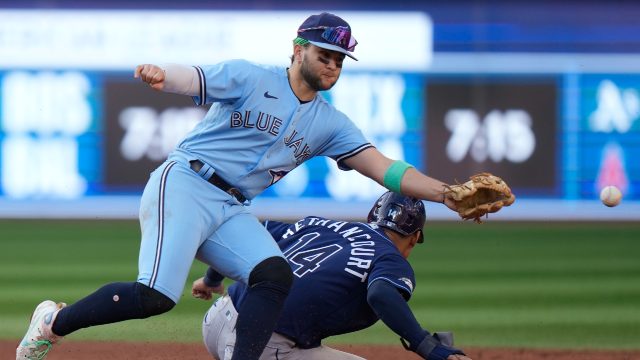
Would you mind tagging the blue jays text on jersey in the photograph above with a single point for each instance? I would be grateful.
(334, 263)
(263, 122)
(257, 130)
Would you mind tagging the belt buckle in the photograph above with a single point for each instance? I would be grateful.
(196, 165)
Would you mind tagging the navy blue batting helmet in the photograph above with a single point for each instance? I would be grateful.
(400, 213)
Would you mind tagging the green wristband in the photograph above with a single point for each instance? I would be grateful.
(393, 177)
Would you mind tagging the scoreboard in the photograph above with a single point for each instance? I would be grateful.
(74, 124)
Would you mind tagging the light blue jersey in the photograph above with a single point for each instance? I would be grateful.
(257, 130)
(255, 133)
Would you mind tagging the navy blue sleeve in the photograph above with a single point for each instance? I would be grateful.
(212, 278)
(389, 305)
(394, 269)
(276, 228)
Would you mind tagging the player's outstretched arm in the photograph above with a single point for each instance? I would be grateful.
(390, 306)
(387, 172)
(173, 78)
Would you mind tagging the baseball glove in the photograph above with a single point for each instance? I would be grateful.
(484, 193)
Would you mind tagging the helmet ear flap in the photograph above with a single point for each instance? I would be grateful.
(374, 213)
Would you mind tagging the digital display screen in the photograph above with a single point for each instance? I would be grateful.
(505, 126)
(142, 126)
(609, 135)
(49, 128)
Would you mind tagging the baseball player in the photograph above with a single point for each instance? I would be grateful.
(347, 275)
(264, 121)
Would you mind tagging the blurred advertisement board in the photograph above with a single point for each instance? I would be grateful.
(121, 39)
(103, 133)
(76, 126)
(74, 123)
(48, 134)
(141, 127)
(506, 126)
(609, 135)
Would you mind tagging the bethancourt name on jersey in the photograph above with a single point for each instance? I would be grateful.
(361, 244)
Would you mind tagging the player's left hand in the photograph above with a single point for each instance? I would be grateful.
(450, 204)
(458, 357)
(200, 290)
(484, 193)
(438, 346)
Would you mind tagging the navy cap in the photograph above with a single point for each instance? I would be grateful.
(330, 32)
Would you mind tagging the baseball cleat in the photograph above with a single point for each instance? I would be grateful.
(40, 338)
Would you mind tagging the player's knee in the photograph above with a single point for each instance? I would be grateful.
(152, 302)
(274, 270)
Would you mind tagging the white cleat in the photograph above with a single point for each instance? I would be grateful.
(39, 338)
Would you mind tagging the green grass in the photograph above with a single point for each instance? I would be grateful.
(559, 285)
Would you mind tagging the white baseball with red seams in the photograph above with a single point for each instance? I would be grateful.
(610, 196)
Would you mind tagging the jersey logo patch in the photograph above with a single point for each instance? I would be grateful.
(269, 96)
(276, 175)
(407, 282)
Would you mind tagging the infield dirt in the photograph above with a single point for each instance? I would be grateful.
(75, 350)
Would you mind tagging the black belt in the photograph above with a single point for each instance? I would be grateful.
(218, 182)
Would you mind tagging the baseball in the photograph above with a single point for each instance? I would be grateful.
(610, 196)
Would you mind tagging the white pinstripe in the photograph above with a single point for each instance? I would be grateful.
(203, 85)
(156, 262)
(353, 152)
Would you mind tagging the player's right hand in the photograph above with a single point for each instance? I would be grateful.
(153, 75)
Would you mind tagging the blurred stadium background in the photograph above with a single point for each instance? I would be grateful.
(544, 93)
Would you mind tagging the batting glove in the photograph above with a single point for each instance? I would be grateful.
(432, 348)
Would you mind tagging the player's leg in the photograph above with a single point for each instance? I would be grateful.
(279, 347)
(131, 300)
(175, 218)
(321, 353)
(242, 249)
(112, 303)
(167, 250)
(218, 328)
(282, 348)
(160, 248)
(219, 334)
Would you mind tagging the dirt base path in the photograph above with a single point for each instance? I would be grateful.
(75, 350)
